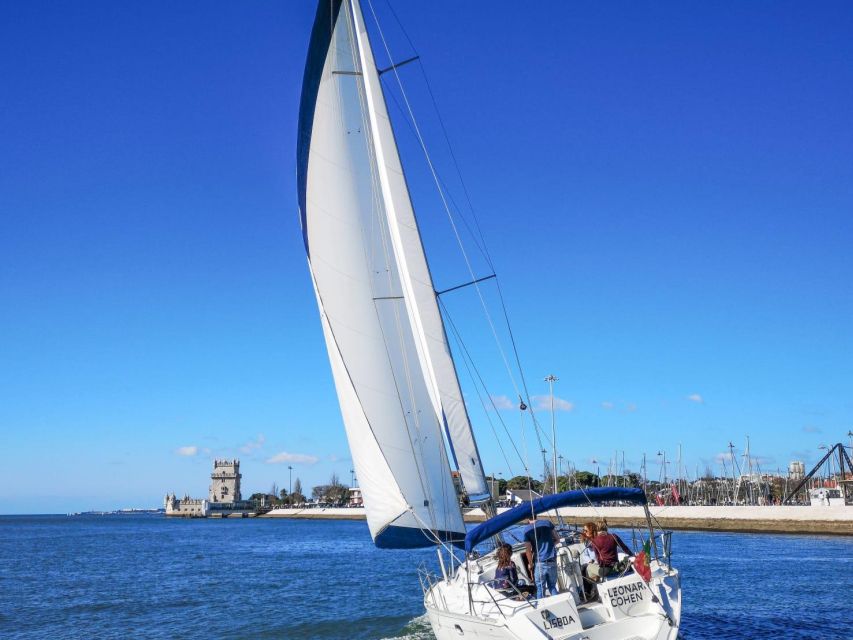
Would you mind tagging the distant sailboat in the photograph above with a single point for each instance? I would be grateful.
(406, 421)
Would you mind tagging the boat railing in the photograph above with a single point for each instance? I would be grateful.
(666, 546)
(429, 581)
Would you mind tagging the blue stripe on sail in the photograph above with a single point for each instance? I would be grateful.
(318, 49)
(449, 439)
(396, 537)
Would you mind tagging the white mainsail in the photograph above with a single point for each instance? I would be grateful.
(385, 379)
(419, 292)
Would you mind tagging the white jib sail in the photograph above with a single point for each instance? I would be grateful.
(395, 440)
(418, 289)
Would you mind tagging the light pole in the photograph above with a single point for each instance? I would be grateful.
(290, 480)
(662, 476)
(551, 379)
(352, 477)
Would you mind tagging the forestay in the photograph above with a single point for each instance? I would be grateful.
(388, 354)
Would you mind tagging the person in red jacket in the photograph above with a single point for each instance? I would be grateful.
(606, 546)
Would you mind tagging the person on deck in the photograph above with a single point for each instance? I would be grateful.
(506, 575)
(604, 545)
(540, 541)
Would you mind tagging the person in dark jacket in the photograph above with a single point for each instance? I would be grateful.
(506, 575)
(540, 542)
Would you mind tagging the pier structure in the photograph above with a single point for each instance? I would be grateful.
(743, 519)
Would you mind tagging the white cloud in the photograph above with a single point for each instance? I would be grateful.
(502, 402)
(607, 405)
(695, 397)
(284, 456)
(187, 451)
(631, 407)
(812, 429)
(252, 445)
(543, 403)
(724, 457)
(764, 461)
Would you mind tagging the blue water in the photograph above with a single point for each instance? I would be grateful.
(151, 577)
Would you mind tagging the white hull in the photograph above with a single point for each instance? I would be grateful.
(627, 609)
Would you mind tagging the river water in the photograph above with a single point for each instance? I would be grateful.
(152, 577)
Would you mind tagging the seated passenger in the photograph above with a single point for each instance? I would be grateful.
(604, 545)
(506, 575)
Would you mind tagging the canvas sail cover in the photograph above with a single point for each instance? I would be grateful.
(385, 397)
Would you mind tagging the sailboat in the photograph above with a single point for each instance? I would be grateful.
(406, 422)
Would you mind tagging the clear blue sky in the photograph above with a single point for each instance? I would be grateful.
(666, 190)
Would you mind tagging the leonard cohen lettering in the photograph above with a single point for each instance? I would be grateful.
(625, 594)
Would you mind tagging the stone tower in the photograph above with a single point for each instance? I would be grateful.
(225, 481)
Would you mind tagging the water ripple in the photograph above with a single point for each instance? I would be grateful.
(153, 578)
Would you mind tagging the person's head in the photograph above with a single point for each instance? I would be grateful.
(504, 555)
(601, 525)
(589, 530)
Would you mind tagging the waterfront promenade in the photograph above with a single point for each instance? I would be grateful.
(747, 519)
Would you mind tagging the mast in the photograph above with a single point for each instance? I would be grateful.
(551, 379)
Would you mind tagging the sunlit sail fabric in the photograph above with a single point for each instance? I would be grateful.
(394, 436)
(418, 289)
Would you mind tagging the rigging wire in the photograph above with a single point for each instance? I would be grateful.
(447, 199)
(444, 200)
(481, 245)
(539, 431)
(416, 441)
(469, 364)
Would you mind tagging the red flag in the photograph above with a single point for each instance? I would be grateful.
(641, 563)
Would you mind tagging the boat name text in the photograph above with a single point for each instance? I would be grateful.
(625, 594)
(551, 621)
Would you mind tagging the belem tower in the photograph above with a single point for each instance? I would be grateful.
(223, 498)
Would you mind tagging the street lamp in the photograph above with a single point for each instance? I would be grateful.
(352, 477)
(290, 480)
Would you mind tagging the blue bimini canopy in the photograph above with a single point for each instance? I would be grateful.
(495, 525)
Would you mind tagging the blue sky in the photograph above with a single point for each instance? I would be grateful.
(666, 191)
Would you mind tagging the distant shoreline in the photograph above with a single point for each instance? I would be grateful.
(741, 519)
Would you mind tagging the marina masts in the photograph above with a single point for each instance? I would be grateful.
(551, 379)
